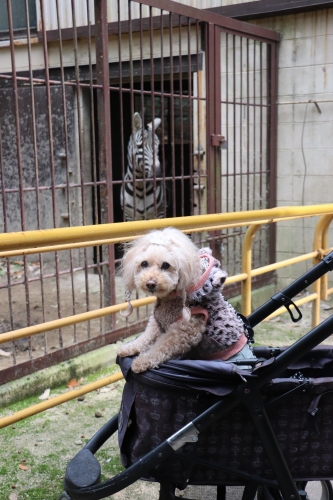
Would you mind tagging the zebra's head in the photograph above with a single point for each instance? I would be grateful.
(142, 149)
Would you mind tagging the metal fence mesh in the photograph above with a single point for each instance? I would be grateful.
(74, 74)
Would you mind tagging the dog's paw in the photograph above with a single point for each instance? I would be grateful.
(126, 350)
(142, 364)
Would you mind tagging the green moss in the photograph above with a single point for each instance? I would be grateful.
(59, 434)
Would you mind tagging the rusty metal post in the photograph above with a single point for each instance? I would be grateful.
(104, 143)
(19, 157)
(272, 65)
(213, 86)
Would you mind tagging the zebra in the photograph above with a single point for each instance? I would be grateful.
(138, 202)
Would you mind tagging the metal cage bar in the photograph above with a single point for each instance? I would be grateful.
(67, 102)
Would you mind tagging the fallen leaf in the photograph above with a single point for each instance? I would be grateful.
(17, 275)
(45, 394)
(5, 353)
(74, 382)
(33, 267)
(23, 467)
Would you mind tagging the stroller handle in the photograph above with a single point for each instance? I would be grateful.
(291, 291)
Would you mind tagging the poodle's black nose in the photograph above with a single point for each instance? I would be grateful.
(151, 285)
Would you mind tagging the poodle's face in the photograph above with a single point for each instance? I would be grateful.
(156, 271)
(161, 262)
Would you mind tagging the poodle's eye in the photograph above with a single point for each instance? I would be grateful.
(144, 264)
(165, 265)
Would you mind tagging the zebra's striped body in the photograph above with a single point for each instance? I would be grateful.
(138, 196)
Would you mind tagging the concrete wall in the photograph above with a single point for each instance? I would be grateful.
(305, 144)
(81, 14)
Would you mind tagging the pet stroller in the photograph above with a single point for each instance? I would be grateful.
(268, 429)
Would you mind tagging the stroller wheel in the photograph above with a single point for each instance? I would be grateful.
(64, 496)
(317, 490)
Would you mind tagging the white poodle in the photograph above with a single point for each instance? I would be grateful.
(191, 317)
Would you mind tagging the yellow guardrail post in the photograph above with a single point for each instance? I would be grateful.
(320, 243)
(247, 268)
(327, 219)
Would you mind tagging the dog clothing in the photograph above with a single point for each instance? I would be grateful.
(225, 335)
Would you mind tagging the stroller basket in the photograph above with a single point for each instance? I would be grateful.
(212, 423)
(298, 403)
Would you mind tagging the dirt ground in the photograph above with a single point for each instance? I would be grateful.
(35, 451)
(32, 307)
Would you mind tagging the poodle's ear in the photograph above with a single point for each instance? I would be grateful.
(127, 272)
(189, 272)
(129, 309)
(127, 268)
(183, 282)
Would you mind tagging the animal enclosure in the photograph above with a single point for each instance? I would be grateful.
(73, 77)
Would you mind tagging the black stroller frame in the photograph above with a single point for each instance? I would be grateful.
(82, 479)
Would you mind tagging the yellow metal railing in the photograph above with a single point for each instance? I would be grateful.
(30, 242)
(58, 400)
(320, 288)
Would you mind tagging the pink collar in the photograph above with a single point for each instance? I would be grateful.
(229, 351)
(203, 278)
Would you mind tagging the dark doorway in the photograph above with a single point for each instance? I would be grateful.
(174, 134)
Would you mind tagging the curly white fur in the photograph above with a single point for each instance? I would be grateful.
(162, 263)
